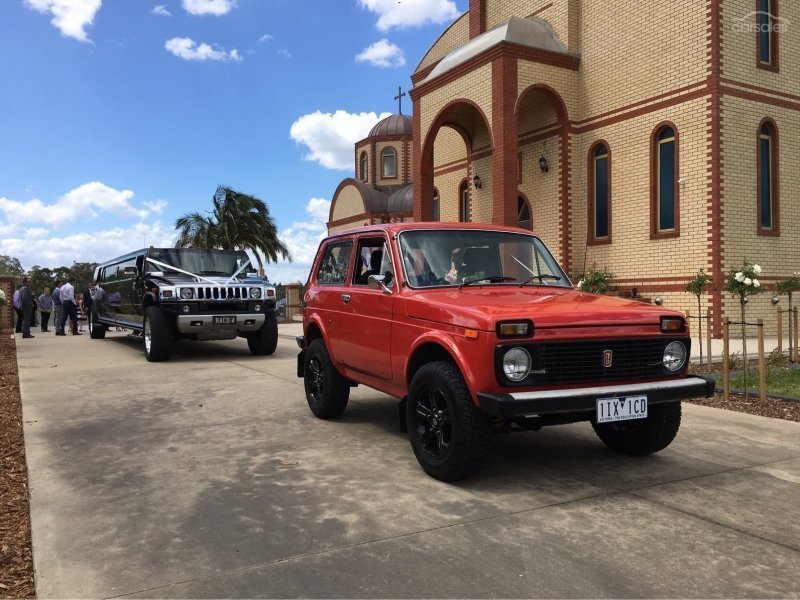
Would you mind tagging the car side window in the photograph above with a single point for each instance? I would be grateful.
(373, 259)
(333, 266)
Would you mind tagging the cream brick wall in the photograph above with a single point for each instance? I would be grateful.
(348, 203)
(563, 81)
(448, 148)
(454, 36)
(632, 254)
(475, 86)
(448, 185)
(639, 50)
(778, 256)
(739, 57)
(543, 190)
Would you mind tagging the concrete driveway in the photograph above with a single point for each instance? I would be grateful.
(207, 476)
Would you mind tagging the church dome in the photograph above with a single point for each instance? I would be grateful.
(394, 125)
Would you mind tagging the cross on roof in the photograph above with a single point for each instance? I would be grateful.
(399, 98)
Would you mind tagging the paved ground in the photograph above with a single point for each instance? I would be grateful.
(207, 476)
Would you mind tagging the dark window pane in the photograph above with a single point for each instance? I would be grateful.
(764, 34)
(766, 184)
(600, 151)
(666, 185)
(666, 133)
(601, 198)
(388, 163)
(435, 206)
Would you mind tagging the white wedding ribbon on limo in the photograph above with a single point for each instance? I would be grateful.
(174, 268)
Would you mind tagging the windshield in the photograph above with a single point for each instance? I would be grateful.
(472, 257)
(200, 261)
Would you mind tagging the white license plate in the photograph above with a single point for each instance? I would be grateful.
(621, 409)
(224, 320)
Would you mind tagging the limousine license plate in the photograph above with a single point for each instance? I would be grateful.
(621, 409)
(224, 320)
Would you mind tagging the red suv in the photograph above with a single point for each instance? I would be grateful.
(477, 329)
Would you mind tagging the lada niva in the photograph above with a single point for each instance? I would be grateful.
(477, 329)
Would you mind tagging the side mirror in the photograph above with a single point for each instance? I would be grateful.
(381, 282)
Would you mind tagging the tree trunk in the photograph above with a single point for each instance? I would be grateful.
(700, 334)
(744, 347)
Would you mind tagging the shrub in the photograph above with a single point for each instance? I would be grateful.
(595, 281)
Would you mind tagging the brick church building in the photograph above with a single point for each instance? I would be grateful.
(654, 139)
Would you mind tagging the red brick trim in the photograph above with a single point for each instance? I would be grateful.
(729, 91)
(423, 169)
(538, 11)
(758, 88)
(592, 239)
(477, 18)
(452, 163)
(373, 168)
(539, 134)
(353, 219)
(681, 90)
(774, 149)
(715, 161)
(774, 64)
(504, 127)
(452, 169)
(360, 174)
(655, 234)
(636, 280)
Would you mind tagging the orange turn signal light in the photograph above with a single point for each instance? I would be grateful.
(471, 334)
(672, 324)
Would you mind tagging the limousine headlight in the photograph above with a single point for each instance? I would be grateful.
(187, 293)
(255, 292)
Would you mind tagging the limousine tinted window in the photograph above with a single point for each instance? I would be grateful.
(200, 261)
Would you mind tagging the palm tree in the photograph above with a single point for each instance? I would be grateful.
(237, 222)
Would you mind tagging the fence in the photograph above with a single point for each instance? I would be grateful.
(794, 335)
(762, 368)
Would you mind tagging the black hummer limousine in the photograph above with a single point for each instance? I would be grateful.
(164, 294)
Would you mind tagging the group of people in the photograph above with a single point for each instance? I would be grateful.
(63, 303)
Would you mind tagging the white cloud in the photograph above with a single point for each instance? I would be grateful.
(410, 13)
(69, 16)
(40, 247)
(265, 38)
(330, 137)
(382, 54)
(161, 10)
(284, 53)
(156, 207)
(85, 201)
(302, 240)
(188, 49)
(208, 7)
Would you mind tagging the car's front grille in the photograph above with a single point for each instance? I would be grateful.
(221, 293)
(584, 361)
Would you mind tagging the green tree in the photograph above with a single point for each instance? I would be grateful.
(237, 222)
(11, 266)
(41, 277)
(83, 272)
(698, 286)
(743, 283)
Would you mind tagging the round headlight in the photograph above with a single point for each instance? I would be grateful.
(187, 293)
(255, 292)
(516, 364)
(674, 356)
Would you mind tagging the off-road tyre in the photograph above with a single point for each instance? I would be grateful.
(157, 334)
(264, 341)
(449, 434)
(97, 331)
(327, 392)
(640, 437)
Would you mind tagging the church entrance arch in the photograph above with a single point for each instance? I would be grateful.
(456, 147)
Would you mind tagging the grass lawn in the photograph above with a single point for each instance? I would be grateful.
(781, 381)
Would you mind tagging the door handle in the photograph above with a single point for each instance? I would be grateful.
(345, 298)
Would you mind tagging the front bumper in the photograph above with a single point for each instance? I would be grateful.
(546, 402)
(204, 328)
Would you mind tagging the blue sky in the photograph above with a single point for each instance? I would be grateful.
(118, 116)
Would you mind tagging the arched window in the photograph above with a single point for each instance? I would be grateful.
(768, 178)
(524, 214)
(767, 34)
(435, 204)
(388, 163)
(364, 164)
(463, 202)
(599, 194)
(664, 202)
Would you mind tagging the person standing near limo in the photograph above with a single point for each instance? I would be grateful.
(69, 307)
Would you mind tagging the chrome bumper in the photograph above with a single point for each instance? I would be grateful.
(204, 328)
(543, 402)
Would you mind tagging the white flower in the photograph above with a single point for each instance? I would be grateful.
(757, 269)
(756, 283)
(2, 296)
(739, 277)
(748, 281)
(580, 285)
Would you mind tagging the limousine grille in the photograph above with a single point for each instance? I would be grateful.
(221, 293)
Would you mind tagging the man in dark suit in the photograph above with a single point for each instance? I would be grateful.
(26, 304)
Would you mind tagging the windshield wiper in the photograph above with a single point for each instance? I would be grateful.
(541, 277)
(489, 278)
